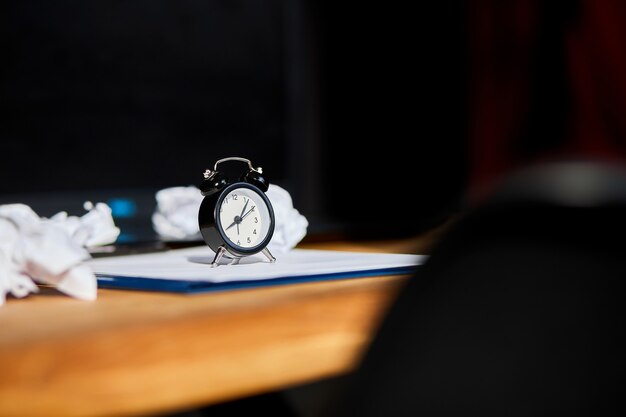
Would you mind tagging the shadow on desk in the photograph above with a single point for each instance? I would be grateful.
(275, 404)
(308, 400)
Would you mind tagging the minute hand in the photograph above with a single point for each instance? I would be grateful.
(248, 212)
(244, 208)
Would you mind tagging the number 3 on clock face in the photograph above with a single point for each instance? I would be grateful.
(240, 218)
(244, 218)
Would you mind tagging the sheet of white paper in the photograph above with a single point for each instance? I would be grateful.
(193, 264)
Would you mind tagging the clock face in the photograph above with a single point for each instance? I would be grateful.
(244, 217)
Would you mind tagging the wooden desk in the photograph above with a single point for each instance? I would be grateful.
(131, 353)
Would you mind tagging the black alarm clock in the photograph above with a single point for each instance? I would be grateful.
(236, 218)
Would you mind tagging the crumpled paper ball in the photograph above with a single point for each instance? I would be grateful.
(51, 250)
(176, 216)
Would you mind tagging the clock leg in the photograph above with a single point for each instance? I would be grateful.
(218, 256)
(269, 255)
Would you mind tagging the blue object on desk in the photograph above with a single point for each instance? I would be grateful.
(193, 287)
(189, 270)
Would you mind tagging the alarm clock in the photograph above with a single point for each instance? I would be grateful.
(236, 217)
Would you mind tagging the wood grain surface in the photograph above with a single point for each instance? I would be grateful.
(133, 352)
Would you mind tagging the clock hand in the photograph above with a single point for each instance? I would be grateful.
(239, 218)
(248, 212)
(241, 215)
(243, 210)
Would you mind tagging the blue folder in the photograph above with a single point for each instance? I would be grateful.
(194, 287)
(189, 270)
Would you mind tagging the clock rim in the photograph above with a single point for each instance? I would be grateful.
(231, 247)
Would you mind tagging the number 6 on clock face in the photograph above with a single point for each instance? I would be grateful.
(244, 217)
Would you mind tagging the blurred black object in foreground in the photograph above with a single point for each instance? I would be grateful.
(519, 310)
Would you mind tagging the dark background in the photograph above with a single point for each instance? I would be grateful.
(394, 113)
(358, 111)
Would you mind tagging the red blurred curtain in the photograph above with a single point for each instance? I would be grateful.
(547, 81)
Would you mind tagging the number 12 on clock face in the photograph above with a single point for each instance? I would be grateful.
(243, 229)
(242, 218)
